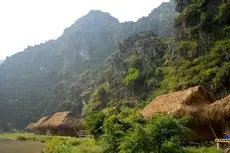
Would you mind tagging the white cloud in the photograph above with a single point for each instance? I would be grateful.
(30, 22)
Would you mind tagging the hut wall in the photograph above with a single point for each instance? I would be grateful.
(66, 132)
(203, 132)
(40, 131)
(51, 131)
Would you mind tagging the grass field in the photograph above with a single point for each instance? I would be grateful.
(79, 145)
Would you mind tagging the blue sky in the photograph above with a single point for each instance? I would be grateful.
(28, 22)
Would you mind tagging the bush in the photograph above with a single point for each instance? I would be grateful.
(55, 145)
(127, 132)
(23, 138)
(161, 134)
(87, 146)
(94, 123)
(132, 76)
(115, 126)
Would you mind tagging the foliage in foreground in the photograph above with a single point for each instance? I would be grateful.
(83, 145)
(202, 150)
(160, 134)
(125, 131)
(56, 145)
(76, 145)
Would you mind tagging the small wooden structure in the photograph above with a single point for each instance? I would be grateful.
(222, 143)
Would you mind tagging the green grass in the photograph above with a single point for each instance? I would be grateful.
(79, 145)
(202, 150)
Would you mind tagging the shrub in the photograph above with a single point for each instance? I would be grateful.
(161, 134)
(55, 145)
(132, 76)
(115, 126)
(23, 138)
(94, 123)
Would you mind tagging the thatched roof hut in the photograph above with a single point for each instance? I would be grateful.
(219, 111)
(60, 123)
(40, 122)
(63, 119)
(189, 102)
(29, 127)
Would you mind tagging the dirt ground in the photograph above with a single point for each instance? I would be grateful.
(13, 146)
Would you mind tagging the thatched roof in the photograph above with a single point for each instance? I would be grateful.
(63, 119)
(30, 126)
(39, 123)
(219, 110)
(189, 102)
(57, 119)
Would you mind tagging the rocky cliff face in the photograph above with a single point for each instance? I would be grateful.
(201, 45)
(60, 74)
(130, 74)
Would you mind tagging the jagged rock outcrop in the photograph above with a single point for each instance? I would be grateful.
(198, 54)
(60, 74)
(142, 52)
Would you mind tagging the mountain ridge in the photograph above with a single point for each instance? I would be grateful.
(47, 78)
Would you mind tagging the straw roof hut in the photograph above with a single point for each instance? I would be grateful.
(189, 102)
(40, 122)
(219, 111)
(61, 119)
(63, 123)
(30, 127)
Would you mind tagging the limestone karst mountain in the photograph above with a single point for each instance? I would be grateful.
(50, 77)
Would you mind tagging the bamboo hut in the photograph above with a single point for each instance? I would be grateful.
(64, 124)
(191, 103)
(30, 127)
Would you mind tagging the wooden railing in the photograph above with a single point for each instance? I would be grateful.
(221, 143)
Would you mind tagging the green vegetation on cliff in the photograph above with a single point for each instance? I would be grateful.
(61, 74)
(201, 52)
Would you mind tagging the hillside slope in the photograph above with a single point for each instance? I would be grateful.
(147, 65)
(52, 76)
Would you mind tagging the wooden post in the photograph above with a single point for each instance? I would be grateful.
(218, 145)
(213, 131)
